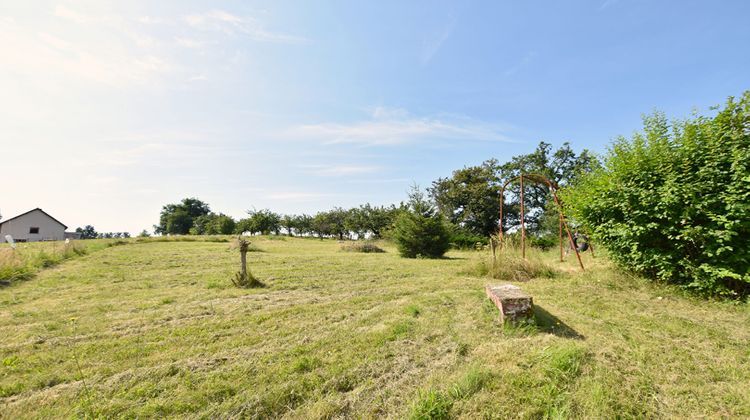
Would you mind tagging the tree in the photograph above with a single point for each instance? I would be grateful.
(421, 231)
(289, 223)
(177, 219)
(320, 225)
(336, 222)
(87, 232)
(469, 199)
(355, 221)
(223, 224)
(264, 221)
(377, 219)
(303, 224)
(563, 167)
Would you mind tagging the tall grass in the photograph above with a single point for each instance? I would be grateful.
(508, 264)
(24, 261)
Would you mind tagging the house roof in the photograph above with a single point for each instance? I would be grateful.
(24, 214)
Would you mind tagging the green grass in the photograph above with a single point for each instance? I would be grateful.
(156, 329)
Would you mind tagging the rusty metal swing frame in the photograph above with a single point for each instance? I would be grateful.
(540, 179)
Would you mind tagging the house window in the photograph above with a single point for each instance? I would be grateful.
(34, 230)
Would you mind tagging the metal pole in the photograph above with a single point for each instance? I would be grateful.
(502, 201)
(523, 226)
(561, 238)
(570, 236)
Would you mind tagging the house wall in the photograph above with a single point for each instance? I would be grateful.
(19, 228)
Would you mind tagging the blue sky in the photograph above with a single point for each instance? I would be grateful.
(110, 110)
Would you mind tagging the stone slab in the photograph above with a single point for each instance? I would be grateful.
(515, 306)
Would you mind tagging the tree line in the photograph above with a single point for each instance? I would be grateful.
(468, 201)
(193, 216)
(89, 232)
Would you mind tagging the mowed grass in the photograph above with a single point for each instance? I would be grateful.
(156, 329)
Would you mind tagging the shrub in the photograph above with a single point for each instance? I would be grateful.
(462, 239)
(365, 247)
(420, 231)
(673, 203)
(546, 242)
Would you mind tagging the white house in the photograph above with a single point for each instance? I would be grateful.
(34, 225)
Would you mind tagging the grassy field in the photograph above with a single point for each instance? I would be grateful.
(155, 329)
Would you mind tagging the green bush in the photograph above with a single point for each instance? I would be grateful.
(546, 242)
(462, 239)
(673, 203)
(420, 231)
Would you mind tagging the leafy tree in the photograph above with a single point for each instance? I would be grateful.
(177, 219)
(244, 225)
(263, 221)
(563, 167)
(303, 224)
(320, 225)
(289, 223)
(336, 222)
(178, 222)
(144, 234)
(377, 219)
(202, 225)
(469, 199)
(87, 232)
(421, 231)
(224, 225)
(673, 202)
(354, 222)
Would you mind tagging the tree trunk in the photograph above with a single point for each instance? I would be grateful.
(243, 261)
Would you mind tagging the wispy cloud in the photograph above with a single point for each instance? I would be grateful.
(527, 58)
(607, 3)
(228, 23)
(433, 43)
(399, 127)
(297, 196)
(340, 170)
(189, 42)
(66, 13)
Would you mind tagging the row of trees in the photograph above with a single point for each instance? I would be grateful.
(89, 232)
(192, 216)
(462, 209)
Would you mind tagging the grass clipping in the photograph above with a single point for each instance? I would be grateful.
(366, 247)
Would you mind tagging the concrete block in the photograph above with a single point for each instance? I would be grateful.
(515, 306)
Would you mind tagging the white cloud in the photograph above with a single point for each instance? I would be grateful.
(340, 170)
(607, 3)
(297, 196)
(66, 13)
(189, 42)
(222, 21)
(84, 52)
(398, 127)
(527, 58)
(432, 45)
